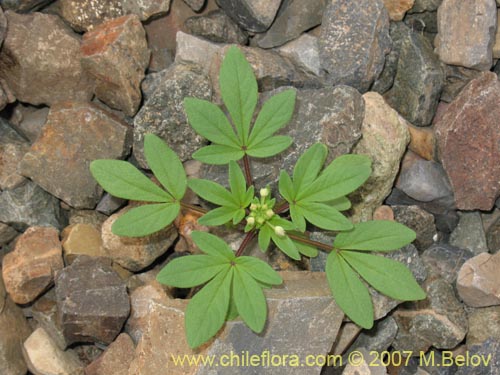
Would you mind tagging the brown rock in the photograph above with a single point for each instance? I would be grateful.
(478, 281)
(466, 32)
(12, 149)
(81, 239)
(195, 5)
(255, 16)
(383, 213)
(146, 9)
(468, 138)
(59, 160)
(44, 312)
(116, 54)
(483, 324)
(136, 253)
(419, 220)
(7, 234)
(91, 217)
(347, 334)
(29, 269)
(116, 358)
(398, 8)
(496, 46)
(217, 27)
(86, 14)
(422, 142)
(6, 95)
(38, 72)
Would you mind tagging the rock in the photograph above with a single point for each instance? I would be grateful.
(443, 260)
(483, 325)
(477, 281)
(163, 113)
(23, 6)
(379, 338)
(81, 239)
(116, 53)
(195, 5)
(44, 312)
(29, 205)
(146, 9)
(190, 49)
(422, 142)
(35, 73)
(83, 16)
(438, 321)
(12, 149)
(354, 41)
(251, 15)
(29, 269)
(3, 26)
(424, 180)
(456, 79)
(293, 18)
(496, 46)
(302, 317)
(490, 352)
(467, 136)
(418, 82)
(7, 234)
(32, 123)
(116, 358)
(492, 236)
(44, 357)
(15, 329)
(383, 213)
(304, 52)
(62, 169)
(385, 137)
(469, 233)
(135, 253)
(87, 217)
(110, 204)
(369, 364)
(418, 220)
(425, 6)
(92, 301)
(409, 256)
(466, 33)
(217, 27)
(6, 95)
(347, 334)
(398, 8)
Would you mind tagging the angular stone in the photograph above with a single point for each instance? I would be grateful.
(84, 15)
(347, 334)
(146, 9)
(422, 142)
(379, 338)
(438, 321)
(3, 26)
(469, 233)
(23, 6)
(398, 8)
(110, 204)
(116, 358)
(369, 364)
(354, 41)
(478, 281)
(466, 33)
(62, 169)
(44, 357)
(383, 213)
(483, 325)
(36, 73)
(29, 205)
(217, 27)
(492, 236)
(385, 137)
(425, 6)
(443, 260)
(304, 52)
(44, 312)
(163, 113)
(255, 16)
(116, 54)
(92, 301)
(6, 95)
(81, 239)
(29, 269)
(456, 79)
(15, 329)
(7, 234)
(418, 220)
(32, 123)
(12, 149)
(490, 351)
(195, 5)
(293, 18)
(468, 137)
(496, 46)
(190, 49)
(87, 217)
(135, 253)
(418, 82)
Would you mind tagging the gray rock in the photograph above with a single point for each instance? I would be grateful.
(379, 338)
(490, 351)
(83, 16)
(32, 123)
(483, 325)
(255, 16)
(12, 149)
(418, 220)
(293, 18)
(354, 41)
(425, 6)
(418, 82)
(23, 6)
(92, 301)
(409, 256)
(7, 234)
(469, 233)
(44, 312)
(3, 26)
(29, 205)
(431, 367)
(195, 5)
(444, 260)
(456, 79)
(147, 9)
(163, 112)
(493, 236)
(189, 49)
(425, 22)
(304, 52)
(110, 204)
(216, 26)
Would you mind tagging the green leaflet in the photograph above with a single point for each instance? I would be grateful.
(249, 300)
(259, 270)
(123, 180)
(376, 235)
(218, 216)
(286, 245)
(348, 291)
(286, 187)
(145, 220)
(213, 192)
(264, 237)
(324, 216)
(218, 154)
(212, 245)
(308, 166)
(270, 146)
(237, 183)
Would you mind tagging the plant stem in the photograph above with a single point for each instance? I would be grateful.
(248, 171)
(249, 237)
(310, 242)
(281, 207)
(193, 208)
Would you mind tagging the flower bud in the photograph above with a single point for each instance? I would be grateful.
(250, 220)
(264, 192)
(260, 220)
(253, 207)
(279, 231)
(269, 214)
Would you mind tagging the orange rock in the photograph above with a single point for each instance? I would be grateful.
(383, 213)
(398, 8)
(422, 142)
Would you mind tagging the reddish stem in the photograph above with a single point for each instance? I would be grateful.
(249, 237)
(248, 171)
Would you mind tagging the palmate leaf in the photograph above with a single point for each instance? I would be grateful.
(145, 220)
(212, 245)
(249, 299)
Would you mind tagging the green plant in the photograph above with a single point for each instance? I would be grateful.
(234, 283)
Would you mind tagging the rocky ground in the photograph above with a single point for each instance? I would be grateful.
(412, 83)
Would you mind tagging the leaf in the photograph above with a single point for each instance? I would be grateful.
(376, 235)
(308, 166)
(191, 270)
(270, 146)
(212, 245)
(218, 216)
(238, 216)
(250, 300)
(298, 217)
(325, 217)
(285, 224)
(210, 122)
(237, 182)
(388, 276)
(259, 270)
(218, 154)
(232, 313)
(286, 245)
(264, 238)
(165, 165)
(306, 250)
(212, 192)
(275, 113)
(207, 310)
(348, 291)
(121, 179)
(340, 204)
(238, 88)
(145, 220)
(286, 187)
